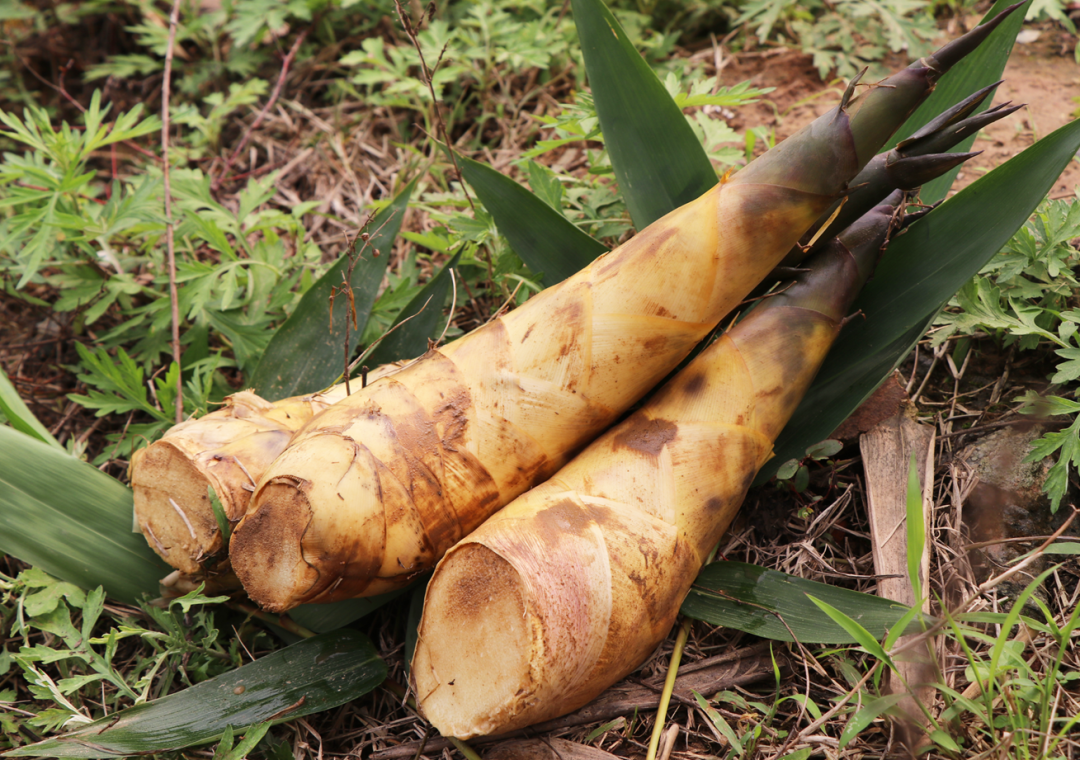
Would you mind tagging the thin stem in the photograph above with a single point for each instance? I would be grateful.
(464, 748)
(669, 687)
(170, 247)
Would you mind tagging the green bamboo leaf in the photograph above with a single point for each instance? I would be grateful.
(412, 620)
(19, 416)
(329, 617)
(64, 516)
(545, 240)
(754, 599)
(905, 623)
(979, 68)
(421, 319)
(1013, 618)
(308, 351)
(923, 269)
(658, 161)
(310, 676)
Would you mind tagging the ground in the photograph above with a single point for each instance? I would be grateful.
(1041, 74)
(829, 542)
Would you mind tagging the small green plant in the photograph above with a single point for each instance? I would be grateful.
(844, 35)
(794, 474)
(1017, 709)
(98, 246)
(1025, 297)
(78, 658)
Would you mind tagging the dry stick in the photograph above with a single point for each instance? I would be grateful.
(429, 75)
(346, 287)
(440, 125)
(262, 114)
(174, 300)
(453, 305)
(635, 699)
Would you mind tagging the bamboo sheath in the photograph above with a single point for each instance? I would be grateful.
(373, 490)
(227, 450)
(571, 586)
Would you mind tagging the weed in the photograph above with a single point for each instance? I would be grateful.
(844, 35)
(84, 658)
(1023, 298)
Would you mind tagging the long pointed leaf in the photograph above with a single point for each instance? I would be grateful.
(923, 269)
(862, 636)
(754, 599)
(978, 69)
(658, 161)
(545, 240)
(307, 677)
(308, 351)
(71, 520)
(329, 617)
(19, 416)
(419, 321)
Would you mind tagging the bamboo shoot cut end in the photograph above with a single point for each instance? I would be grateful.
(472, 667)
(266, 549)
(173, 508)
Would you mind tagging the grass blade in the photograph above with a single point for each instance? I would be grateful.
(307, 352)
(421, 319)
(922, 270)
(866, 715)
(861, 636)
(307, 677)
(545, 240)
(916, 530)
(19, 415)
(751, 598)
(721, 725)
(64, 516)
(979, 69)
(658, 161)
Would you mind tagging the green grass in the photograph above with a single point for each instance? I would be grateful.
(82, 243)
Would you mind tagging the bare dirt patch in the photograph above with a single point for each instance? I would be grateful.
(1042, 74)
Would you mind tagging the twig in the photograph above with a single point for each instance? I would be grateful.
(377, 341)
(174, 300)
(440, 125)
(262, 113)
(429, 76)
(453, 305)
(347, 288)
(806, 732)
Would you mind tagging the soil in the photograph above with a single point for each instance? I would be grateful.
(831, 545)
(1042, 73)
